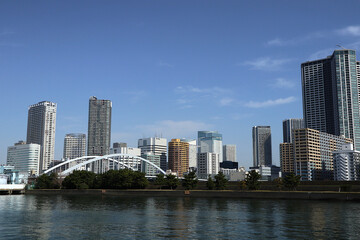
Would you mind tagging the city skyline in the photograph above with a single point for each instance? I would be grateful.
(169, 68)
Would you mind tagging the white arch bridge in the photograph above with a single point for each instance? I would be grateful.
(101, 164)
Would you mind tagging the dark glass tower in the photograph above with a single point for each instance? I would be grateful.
(99, 127)
(330, 89)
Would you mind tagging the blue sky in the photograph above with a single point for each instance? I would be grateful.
(170, 68)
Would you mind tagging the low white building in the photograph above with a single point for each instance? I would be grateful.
(208, 164)
(346, 164)
(24, 157)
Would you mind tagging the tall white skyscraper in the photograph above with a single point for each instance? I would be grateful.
(158, 146)
(229, 153)
(210, 141)
(41, 130)
(24, 157)
(74, 145)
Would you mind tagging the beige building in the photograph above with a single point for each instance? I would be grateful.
(178, 157)
(311, 154)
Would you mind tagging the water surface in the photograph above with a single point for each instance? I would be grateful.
(113, 217)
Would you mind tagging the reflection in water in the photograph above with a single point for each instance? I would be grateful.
(106, 217)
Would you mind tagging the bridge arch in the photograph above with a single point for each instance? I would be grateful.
(92, 159)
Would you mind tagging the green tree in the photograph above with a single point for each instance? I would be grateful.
(190, 181)
(47, 181)
(220, 181)
(279, 183)
(139, 180)
(291, 181)
(171, 181)
(160, 180)
(80, 180)
(210, 183)
(252, 180)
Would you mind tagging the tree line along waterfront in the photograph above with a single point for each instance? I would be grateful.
(129, 179)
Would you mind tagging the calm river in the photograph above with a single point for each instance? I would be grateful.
(97, 217)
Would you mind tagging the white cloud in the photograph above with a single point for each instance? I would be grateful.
(190, 89)
(267, 63)
(270, 103)
(283, 83)
(321, 54)
(349, 30)
(226, 101)
(135, 96)
(174, 129)
(297, 40)
(165, 64)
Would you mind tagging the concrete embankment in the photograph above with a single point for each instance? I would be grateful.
(350, 196)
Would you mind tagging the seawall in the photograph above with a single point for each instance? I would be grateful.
(344, 196)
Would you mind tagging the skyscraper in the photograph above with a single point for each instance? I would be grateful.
(158, 146)
(330, 89)
(74, 145)
(262, 155)
(99, 127)
(210, 141)
(41, 130)
(289, 125)
(192, 152)
(178, 156)
(229, 153)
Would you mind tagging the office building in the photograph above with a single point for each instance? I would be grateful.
(262, 155)
(130, 155)
(312, 154)
(193, 148)
(330, 89)
(210, 141)
(74, 145)
(148, 169)
(178, 157)
(229, 153)
(99, 127)
(346, 164)
(158, 146)
(289, 125)
(287, 158)
(24, 157)
(208, 164)
(41, 130)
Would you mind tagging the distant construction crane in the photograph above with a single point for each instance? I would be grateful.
(340, 46)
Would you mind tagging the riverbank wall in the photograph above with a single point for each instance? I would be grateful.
(344, 196)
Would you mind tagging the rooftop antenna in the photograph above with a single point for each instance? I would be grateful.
(340, 46)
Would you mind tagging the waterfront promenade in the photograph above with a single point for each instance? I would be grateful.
(300, 195)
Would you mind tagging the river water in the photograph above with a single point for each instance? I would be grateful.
(110, 217)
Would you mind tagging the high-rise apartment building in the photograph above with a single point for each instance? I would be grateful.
(178, 157)
(229, 153)
(74, 145)
(330, 89)
(288, 127)
(129, 159)
(158, 146)
(311, 153)
(208, 164)
(262, 154)
(346, 164)
(41, 130)
(24, 157)
(99, 127)
(210, 141)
